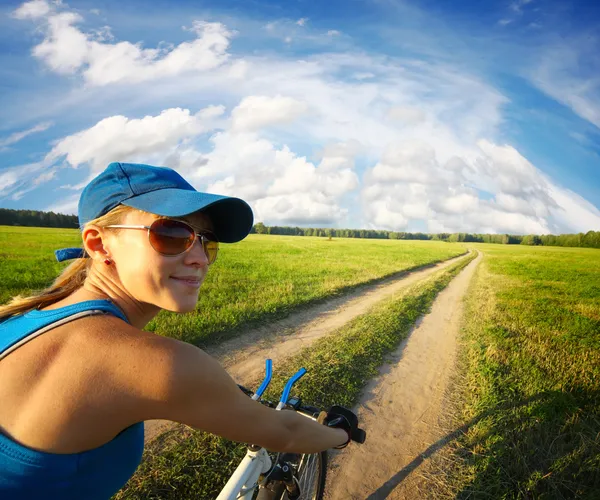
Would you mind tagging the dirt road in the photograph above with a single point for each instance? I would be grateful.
(400, 408)
(243, 357)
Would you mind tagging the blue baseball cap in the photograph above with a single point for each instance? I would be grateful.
(161, 191)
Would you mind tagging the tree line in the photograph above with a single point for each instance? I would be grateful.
(591, 239)
(36, 218)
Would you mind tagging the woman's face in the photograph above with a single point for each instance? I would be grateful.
(168, 282)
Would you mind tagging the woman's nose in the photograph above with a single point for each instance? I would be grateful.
(196, 254)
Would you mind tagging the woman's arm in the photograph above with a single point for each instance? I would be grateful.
(184, 384)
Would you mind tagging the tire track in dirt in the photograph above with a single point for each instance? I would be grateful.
(401, 408)
(244, 356)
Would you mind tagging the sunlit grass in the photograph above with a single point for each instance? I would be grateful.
(256, 280)
(531, 377)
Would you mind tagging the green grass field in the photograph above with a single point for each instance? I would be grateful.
(529, 376)
(531, 368)
(256, 280)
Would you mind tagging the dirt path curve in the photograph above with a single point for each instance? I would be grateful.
(244, 357)
(400, 408)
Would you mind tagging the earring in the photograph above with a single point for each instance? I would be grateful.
(107, 262)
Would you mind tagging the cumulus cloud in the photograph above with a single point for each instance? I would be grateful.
(32, 10)
(280, 185)
(120, 138)
(66, 49)
(411, 184)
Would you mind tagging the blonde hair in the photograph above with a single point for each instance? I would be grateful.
(72, 277)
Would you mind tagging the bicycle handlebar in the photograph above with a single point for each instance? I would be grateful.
(306, 410)
(358, 435)
(266, 381)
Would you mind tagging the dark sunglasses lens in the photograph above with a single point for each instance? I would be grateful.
(171, 237)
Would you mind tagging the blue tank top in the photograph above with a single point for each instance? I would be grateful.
(95, 474)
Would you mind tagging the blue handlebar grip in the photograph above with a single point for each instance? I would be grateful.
(266, 381)
(290, 383)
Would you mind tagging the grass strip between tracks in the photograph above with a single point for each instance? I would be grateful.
(189, 464)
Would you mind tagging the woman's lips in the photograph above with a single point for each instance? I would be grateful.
(188, 281)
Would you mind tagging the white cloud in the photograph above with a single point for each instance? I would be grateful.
(32, 10)
(118, 138)
(411, 183)
(568, 72)
(280, 185)
(45, 177)
(302, 21)
(574, 213)
(240, 162)
(16, 181)
(30, 186)
(68, 50)
(334, 33)
(299, 208)
(363, 76)
(255, 112)
(7, 180)
(408, 115)
(18, 136)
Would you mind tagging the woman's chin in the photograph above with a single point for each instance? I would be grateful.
(178, 305)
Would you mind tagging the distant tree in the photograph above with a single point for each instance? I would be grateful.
(260, 228)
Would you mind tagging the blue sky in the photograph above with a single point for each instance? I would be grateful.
(429, 115)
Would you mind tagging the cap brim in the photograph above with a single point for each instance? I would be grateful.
(232, 218)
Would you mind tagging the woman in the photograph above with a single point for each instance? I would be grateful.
(78, 375)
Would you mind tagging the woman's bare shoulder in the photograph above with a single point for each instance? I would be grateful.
(137, 364)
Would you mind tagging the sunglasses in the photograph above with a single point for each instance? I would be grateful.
(172, 237)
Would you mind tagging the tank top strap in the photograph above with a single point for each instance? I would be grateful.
(20, 329)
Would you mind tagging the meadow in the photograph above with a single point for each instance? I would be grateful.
(529, 378)
(256, 280)
(527, 393)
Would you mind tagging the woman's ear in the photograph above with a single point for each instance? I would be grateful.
(94, 242)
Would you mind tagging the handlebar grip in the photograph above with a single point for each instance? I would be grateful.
(359, 436)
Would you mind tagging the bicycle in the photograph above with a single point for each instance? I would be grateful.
(288, 476)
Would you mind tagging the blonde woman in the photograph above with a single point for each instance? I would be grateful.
(79, 375)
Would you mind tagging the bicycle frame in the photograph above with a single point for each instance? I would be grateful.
(245, 478)
(257, 461)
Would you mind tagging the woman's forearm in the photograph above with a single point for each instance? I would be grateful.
(308, 436)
